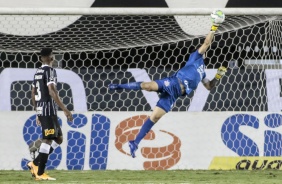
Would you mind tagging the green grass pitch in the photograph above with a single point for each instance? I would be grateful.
(148, 177)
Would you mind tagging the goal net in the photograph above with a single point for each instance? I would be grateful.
(96, 47)
(118, 48)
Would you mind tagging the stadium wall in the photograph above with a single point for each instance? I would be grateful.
(98, 141)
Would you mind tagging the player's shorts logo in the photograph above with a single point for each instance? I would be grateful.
(49, 132)
(159, 158)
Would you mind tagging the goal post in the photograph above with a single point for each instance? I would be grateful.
(94, 47)
(138, 11)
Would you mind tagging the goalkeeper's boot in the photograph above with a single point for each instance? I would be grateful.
(133, 147)
(44, 176)
(113, 87)
(33, 168)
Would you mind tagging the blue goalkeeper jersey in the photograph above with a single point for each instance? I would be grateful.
(193, 72)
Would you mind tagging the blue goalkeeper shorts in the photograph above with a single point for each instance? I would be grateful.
(169, 91)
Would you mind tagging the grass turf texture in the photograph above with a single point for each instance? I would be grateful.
(126, 176)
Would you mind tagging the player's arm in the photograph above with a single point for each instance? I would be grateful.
(217, 18)
(219, 74)
(206, 43)
(210, 84)
(34, 102)
(54, 94)
(33, 97)
(33, 90)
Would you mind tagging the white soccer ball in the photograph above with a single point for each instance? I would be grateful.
(217, 17)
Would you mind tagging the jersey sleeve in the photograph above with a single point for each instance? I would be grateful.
(204, 76)
(193, 57)
(205, 80)
(50, 76)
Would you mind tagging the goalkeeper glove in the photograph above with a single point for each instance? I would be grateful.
(220, 72)
(217, 17)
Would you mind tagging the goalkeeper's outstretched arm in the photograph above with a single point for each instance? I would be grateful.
(217, 18)
(206, 43)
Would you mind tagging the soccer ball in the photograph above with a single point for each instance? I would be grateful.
(217, 17)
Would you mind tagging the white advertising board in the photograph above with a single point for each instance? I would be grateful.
(180, 140)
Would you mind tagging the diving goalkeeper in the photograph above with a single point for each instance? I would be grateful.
(183, 82)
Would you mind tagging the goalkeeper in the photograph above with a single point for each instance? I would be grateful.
(184, 81)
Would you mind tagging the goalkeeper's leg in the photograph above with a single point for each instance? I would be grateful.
(148, 86)
(146, 127)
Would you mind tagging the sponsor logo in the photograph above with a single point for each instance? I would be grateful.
(166, 83)
(255, 151)
(38, 77)
(201, 71)
(186, 84)
(49, 132)
(246, 163)
(75, 159)
(52, 78)
(159, 158)
(243, 144)
(39, 71)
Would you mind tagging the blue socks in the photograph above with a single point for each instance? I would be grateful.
(132, 85)
(146, 127)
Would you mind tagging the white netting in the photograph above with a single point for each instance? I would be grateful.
(95, 50)
(102, 49)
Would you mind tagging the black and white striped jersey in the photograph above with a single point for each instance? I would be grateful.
(45, 105)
